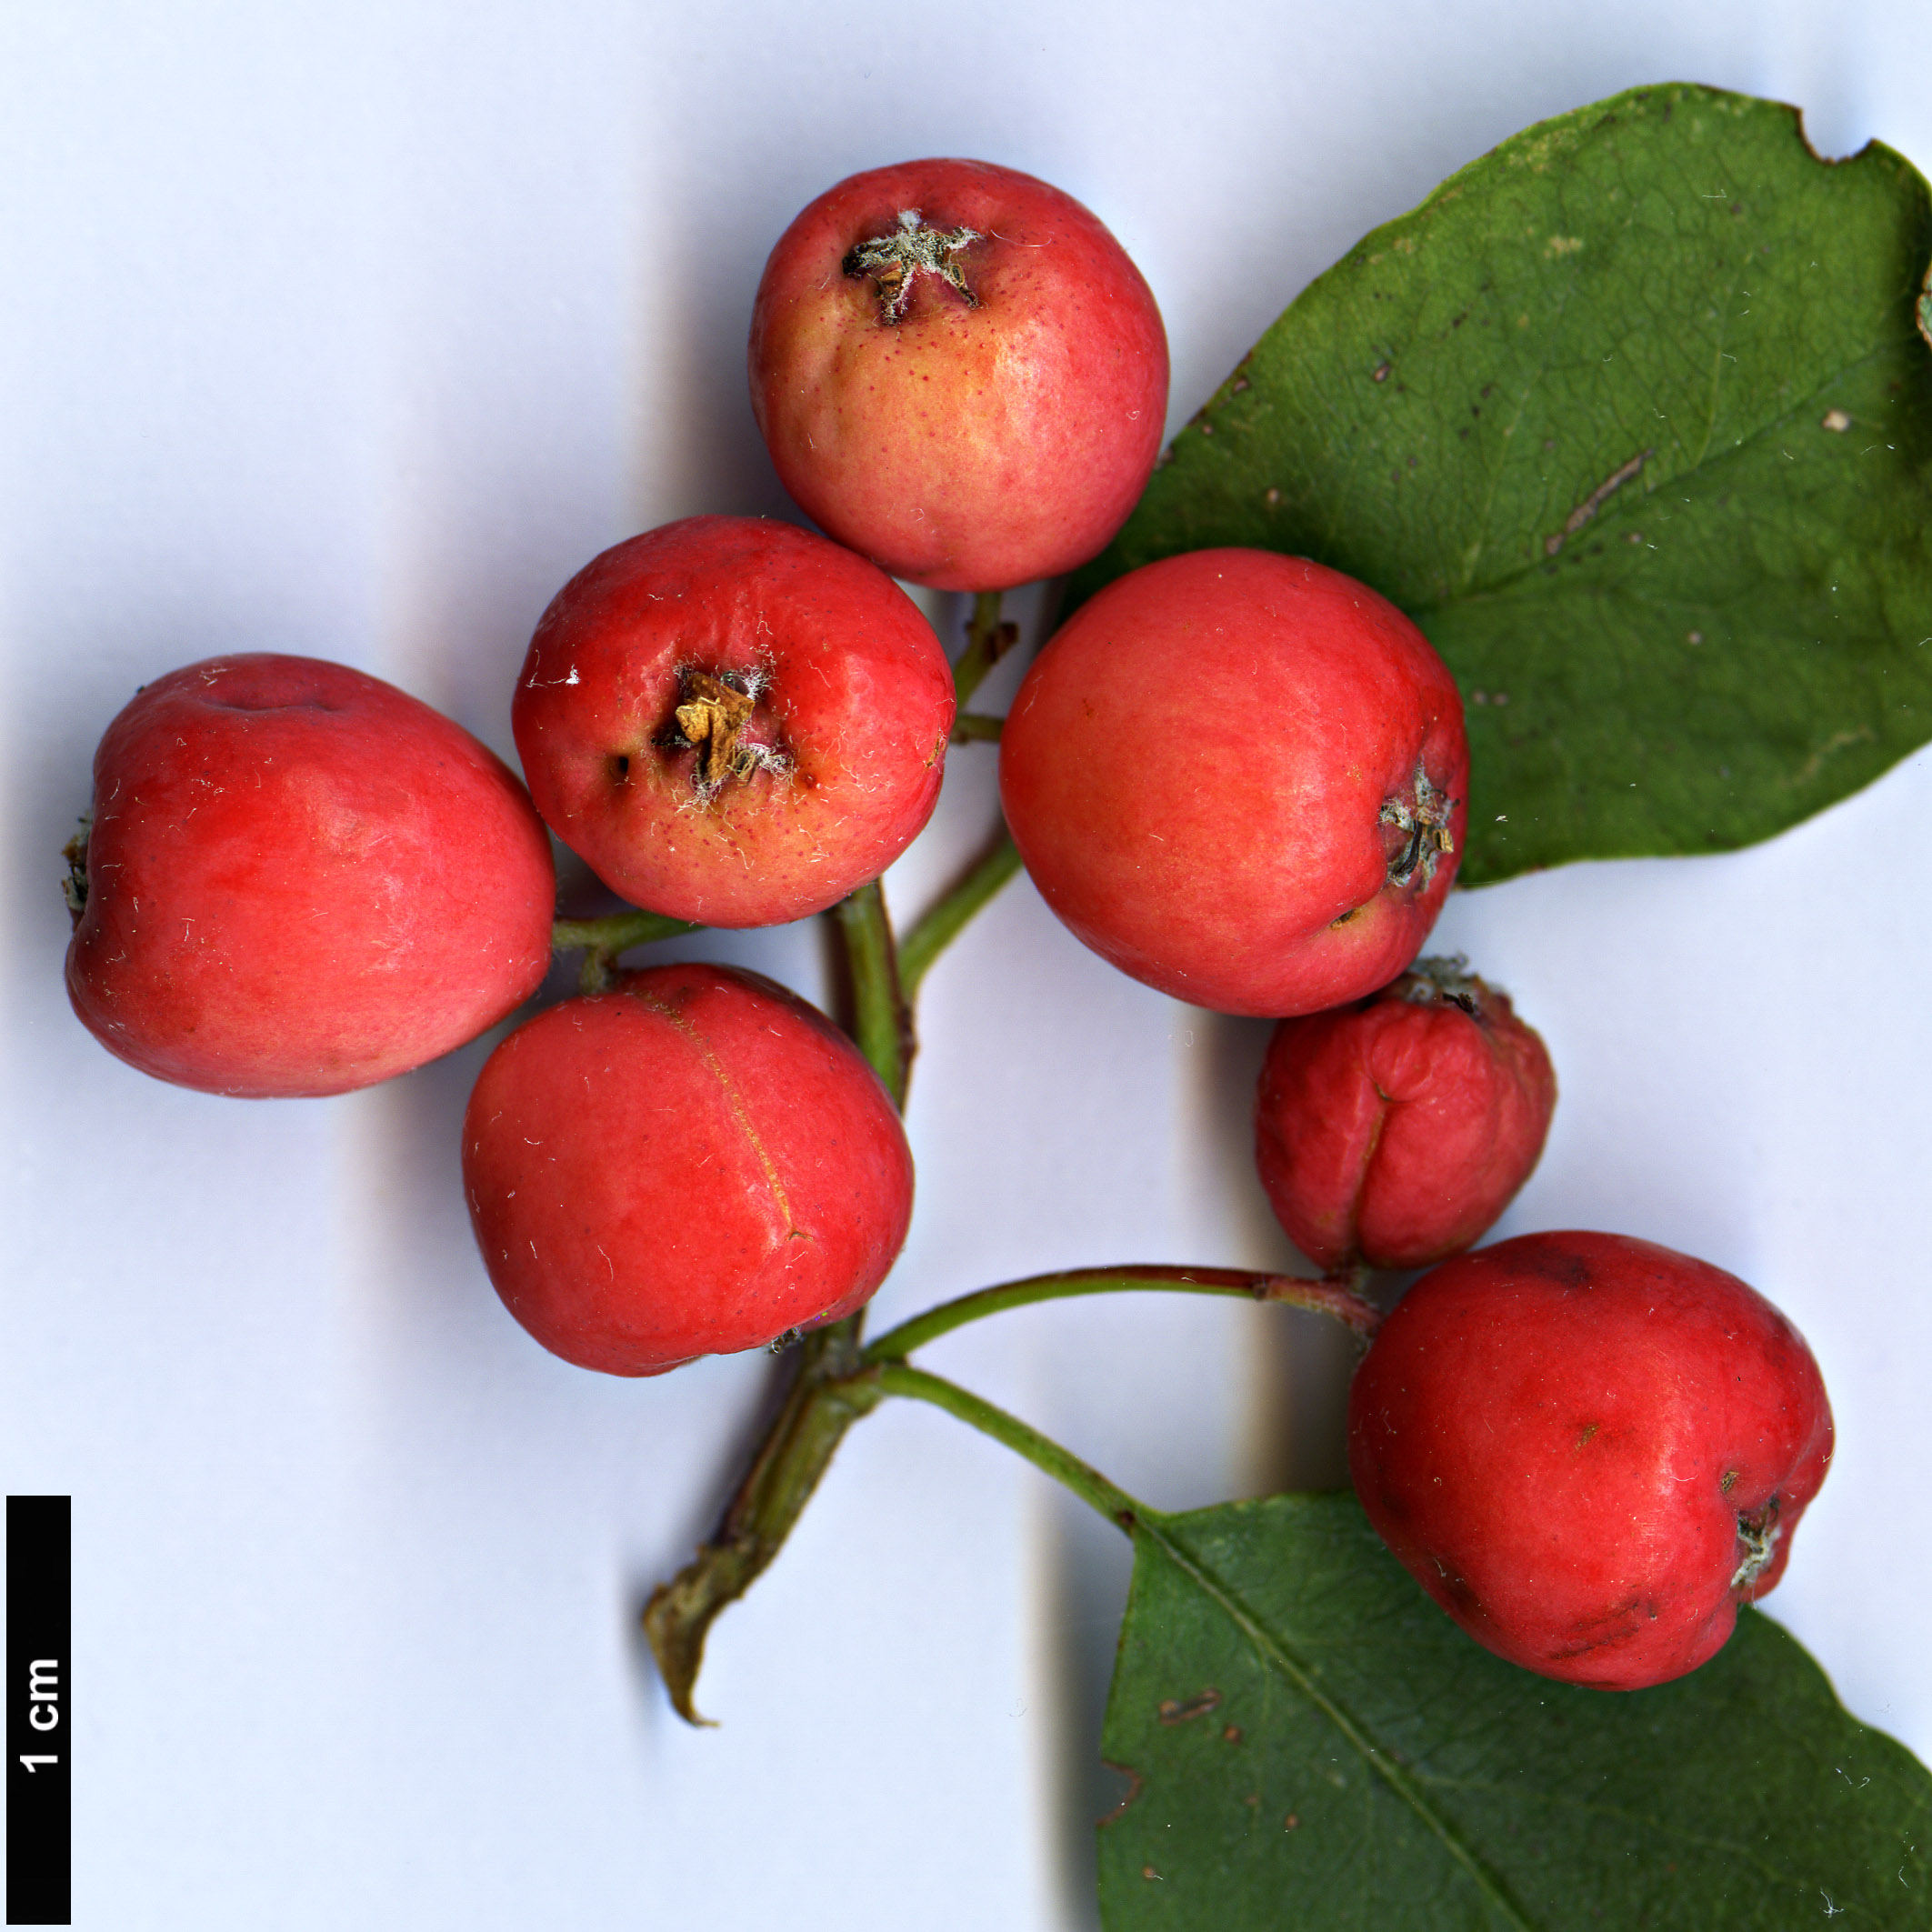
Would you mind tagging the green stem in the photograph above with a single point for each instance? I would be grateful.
(602, 939)
(618, 932)
(988, 641)
(897, 1378)
(1320, 1297)
(947, 919)
(981, 725)
(826, 1399)
(882, 1011)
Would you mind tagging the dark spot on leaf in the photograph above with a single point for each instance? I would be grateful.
(1173, 1711)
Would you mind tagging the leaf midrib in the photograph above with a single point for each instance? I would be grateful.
(1706, 472)
(1273, 1652)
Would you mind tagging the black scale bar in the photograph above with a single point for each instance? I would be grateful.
(39, 1717)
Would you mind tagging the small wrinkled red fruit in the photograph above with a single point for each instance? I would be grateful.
(1394, 1132)
(693, 1163)
(958, 373)
(1242, 778)
(1590, 1451)
(300, 880)
(733, 721)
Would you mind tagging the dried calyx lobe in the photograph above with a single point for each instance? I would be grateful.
(74, 887)
(712, 719)
(1421, 823)
(894, 261)
(1757, 1534)
(1443, 979)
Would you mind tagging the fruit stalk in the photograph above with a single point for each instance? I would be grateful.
(836, 1382)
(1082, 1479)
(604, 939)
(1322, 1297)
(949, 918)
(988, 641)
(882, 1014)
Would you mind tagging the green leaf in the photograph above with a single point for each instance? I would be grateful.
(1313, 1744)
(1633, 416)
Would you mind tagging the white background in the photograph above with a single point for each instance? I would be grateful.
(354, 330)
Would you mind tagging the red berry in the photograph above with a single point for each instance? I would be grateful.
(1590, 1451)
(691, 1163)
(1240, 778)
(733, 721)
(958, 371)
(300, 881)
(1395, 1131)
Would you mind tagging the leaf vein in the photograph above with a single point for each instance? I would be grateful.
(1275, 1653)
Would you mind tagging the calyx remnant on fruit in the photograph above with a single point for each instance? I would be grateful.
(893, 261)
(1425, 819)
(711, 717)
(74, 887)
(1443, 979)
(1758, 1536)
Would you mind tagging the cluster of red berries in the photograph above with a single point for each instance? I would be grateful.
(1241, 777)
